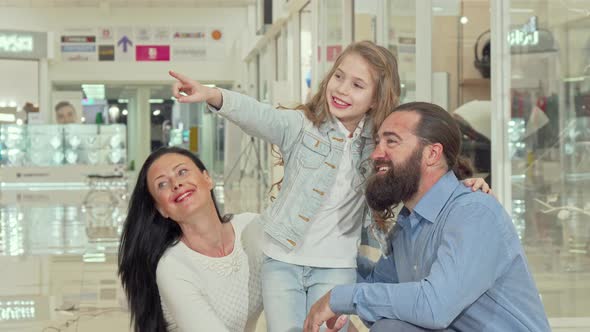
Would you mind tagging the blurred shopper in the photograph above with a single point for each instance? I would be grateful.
(65, 113)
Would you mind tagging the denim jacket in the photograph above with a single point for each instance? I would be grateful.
(311, 156)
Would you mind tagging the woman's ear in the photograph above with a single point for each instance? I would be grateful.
(209, 180)
(161, 211)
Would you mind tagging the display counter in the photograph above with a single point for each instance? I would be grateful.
(61, 153)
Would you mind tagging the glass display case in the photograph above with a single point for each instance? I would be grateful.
(61, 153)
(54, 145)
(549, 149)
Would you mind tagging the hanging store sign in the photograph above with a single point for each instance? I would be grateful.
(529, 38)
(526, 35)
(16, 44)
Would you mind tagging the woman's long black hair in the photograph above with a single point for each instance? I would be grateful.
(146, 236)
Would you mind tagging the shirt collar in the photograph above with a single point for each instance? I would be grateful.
(435, 199)
(364, 128)
(355, 133)
(367, 126)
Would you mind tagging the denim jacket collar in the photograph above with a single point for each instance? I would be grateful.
(330, 124)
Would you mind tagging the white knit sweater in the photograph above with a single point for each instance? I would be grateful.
(201, 293)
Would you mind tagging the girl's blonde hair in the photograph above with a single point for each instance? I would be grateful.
(387, 84)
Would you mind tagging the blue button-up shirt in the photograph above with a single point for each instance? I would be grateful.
(456, 262)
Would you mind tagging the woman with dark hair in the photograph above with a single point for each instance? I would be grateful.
(183, 265)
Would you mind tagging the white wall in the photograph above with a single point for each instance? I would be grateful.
(18, 83)
(231, 20)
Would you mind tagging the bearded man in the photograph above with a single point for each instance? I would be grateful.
(455, 261)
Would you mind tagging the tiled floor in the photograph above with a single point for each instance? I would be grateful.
(58, 264)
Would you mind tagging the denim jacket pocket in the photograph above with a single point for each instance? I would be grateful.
(313, 151)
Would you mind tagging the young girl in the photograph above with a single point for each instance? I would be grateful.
(313, 228)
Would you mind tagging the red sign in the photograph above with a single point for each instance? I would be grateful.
(152, 53)
(78, 39)
(332, 52)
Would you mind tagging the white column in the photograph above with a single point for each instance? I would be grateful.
(424, 50)
(501, 163)
(294, 56)
(382, 23)
(207, 137)
(318, 35)
(347, 22)
(44, 91)
(139, 123)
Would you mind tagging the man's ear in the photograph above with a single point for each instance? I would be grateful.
(433, 154)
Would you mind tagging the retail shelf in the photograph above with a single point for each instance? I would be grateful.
(475, 82)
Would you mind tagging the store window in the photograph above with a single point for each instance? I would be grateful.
(461, 67)
(549, 147)
(365, 20)
(331, 35)
(401, 41)
(306, 53)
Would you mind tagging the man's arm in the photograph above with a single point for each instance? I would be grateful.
(381, 271)
(470, 258)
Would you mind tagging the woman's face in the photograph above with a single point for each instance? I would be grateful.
(178, 186)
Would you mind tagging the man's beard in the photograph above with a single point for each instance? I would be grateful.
(398, 184)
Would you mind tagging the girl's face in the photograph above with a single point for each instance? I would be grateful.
(350, 91)
(178, 186)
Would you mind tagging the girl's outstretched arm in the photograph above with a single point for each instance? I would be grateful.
(194, 92)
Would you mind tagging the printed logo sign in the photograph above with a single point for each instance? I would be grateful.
(106, 53)
(78, 39)
(78, 48)
(152, 53)
(189, 53)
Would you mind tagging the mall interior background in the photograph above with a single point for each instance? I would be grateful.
(524, 105)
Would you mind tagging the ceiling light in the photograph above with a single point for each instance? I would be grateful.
(93, 91)
(156, 101)
(125, 112)
(156, 112)
(114, 111)
(464, 20)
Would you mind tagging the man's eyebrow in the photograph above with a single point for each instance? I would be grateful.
(391, 133)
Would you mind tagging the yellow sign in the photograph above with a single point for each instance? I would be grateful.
(193, 143)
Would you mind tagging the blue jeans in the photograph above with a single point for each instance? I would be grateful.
(289, 291)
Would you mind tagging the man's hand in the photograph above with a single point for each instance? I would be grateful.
(321, 313)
